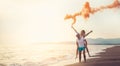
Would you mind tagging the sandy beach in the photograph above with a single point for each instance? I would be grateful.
(111, 57)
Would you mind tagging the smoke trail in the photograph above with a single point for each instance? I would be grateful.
(87, 10)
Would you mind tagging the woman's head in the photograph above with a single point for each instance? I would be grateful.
(82, 33)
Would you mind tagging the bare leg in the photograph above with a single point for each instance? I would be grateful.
(76, 52)
(87, 48)
(79, 56)
(84, 55)
(88, 52)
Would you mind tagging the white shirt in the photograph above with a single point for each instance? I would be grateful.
(81, 42)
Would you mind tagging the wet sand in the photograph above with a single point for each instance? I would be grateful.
(111, 57)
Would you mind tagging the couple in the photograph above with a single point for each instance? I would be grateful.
(81, 44)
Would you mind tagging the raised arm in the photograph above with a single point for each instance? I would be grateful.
(74, 29)
(88, 33)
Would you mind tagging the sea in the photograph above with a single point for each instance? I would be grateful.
(46, 54)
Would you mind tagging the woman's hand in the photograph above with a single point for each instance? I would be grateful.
(91, 31)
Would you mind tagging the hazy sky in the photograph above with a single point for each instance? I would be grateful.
(31, 21)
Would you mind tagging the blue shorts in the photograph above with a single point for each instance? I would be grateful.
(81, 48)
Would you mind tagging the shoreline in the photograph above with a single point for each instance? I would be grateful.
(93, 53)
(111, 57)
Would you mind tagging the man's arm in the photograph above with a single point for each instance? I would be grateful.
(74, 29)
(88, 33)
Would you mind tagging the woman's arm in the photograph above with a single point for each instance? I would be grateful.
(88, 33)
(74, 29)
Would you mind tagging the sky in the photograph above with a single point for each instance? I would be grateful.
(34, 21)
